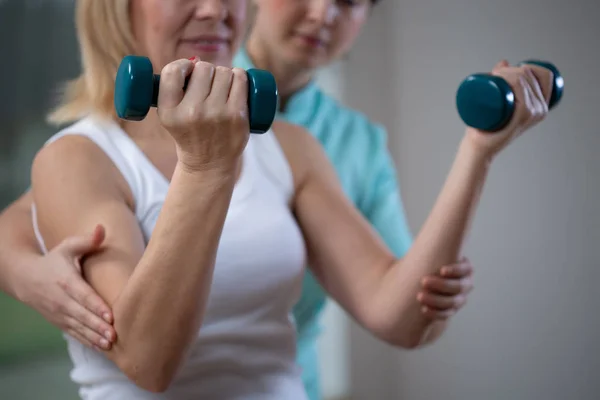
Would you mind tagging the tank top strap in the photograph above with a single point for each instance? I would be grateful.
(272, 162)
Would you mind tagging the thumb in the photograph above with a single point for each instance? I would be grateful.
(77, 246)
(500, 64)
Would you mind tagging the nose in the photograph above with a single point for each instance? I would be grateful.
(211, 9)
(323, 12)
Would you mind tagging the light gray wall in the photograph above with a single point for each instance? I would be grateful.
(532, 325)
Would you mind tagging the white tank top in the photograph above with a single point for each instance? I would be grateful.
(246, 346)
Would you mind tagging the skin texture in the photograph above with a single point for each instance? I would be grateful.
(196, 140)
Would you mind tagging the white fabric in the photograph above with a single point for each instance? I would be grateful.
(246, 346)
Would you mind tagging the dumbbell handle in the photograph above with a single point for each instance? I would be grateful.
(156, 86)
(487, 102)
(137, 88)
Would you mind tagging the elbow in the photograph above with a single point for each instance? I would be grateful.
(152, 374)
(403, 340)
(158, 383)
(414, 337)
(157, 386)
(403, 334)
(146, 362)
(413, 342)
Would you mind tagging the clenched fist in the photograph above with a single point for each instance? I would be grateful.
(209, 120)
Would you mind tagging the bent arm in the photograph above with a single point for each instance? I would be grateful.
(18, 245)
(384, 209)
(353, 263)
(157, 292)
(438, 243)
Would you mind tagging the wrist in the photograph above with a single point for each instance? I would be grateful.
(473, 154)
(207, 175)
(193, 164)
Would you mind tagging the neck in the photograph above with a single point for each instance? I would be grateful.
(290, 78)
(149, 127)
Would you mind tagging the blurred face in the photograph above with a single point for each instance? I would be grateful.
(167, 30)
(311, 33)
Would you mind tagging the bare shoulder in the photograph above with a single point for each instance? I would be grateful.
(74, 162)
(304, 153)
(71, 154)
(76, 186)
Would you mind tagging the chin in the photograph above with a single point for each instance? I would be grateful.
(308, 61)
(306, 57)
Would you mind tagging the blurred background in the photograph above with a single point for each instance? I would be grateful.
(531, 329)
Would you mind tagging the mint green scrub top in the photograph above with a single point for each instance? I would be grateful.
(358, 150)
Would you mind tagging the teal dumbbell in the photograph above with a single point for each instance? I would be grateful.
(487, 102)
(136, 90)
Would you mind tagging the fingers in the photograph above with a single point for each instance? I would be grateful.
(85, 296)
(499, 65)
(87, 336)
(80, 338)
(540, 104)
(534, 83)
(528, 100)
(441, 307)
(238, 95)
(448, 287)
(89, 325)
(77, 246)
(532, 86)
(98, 236)
(172, 81)
(221, 86)
(437, 314)
(445, 293)
(544, 78)
(89, 315)
(441, 302)
(458, 270)
(533, 107)
(200, 84)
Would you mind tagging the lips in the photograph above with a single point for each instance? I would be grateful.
(206, 40)
(207, 43)
(312, 40)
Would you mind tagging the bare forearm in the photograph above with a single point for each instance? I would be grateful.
(174, 273)
(439, 243)
(441, 238)
(18, 244)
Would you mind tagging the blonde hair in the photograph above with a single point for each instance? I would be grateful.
(105, 37)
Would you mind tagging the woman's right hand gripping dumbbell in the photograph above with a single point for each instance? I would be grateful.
(209, 120)
(532, 87)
